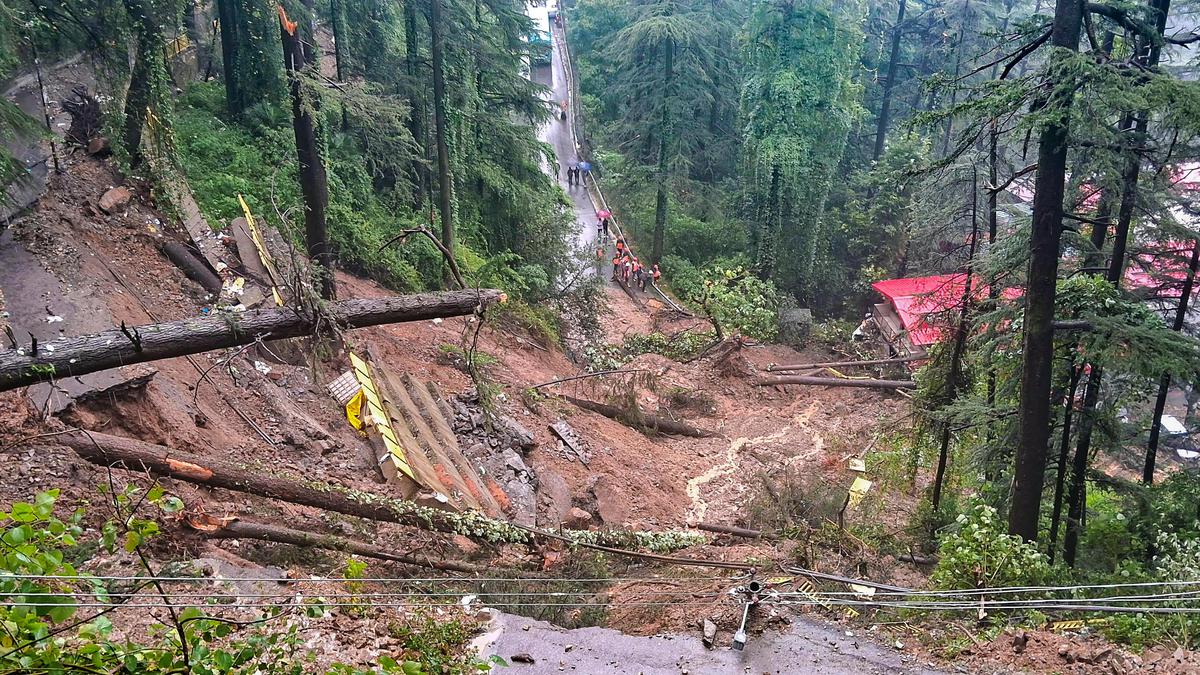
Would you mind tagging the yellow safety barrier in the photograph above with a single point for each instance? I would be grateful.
(375, 416)
(261, 245)
(1075, 624)
(177, 46)
(858, 490)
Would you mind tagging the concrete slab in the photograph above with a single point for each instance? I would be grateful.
(39, 305)
(808, 647)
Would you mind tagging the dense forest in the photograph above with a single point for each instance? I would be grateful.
(771, 155)
(1041, 151)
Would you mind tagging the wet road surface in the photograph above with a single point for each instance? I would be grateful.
(807, 647)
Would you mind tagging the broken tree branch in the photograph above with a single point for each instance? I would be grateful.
(836, 382)
(652, 422)
(241, 529)
(446, 255)
(844, 364)
(73, 356)
(587, 375)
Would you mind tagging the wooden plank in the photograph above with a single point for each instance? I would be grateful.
(570, 440)
(408, 414)
(434, 413)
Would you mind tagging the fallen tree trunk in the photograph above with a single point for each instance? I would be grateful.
(847, 364)
(74, 356)
(836, 382)
(116, 451)
(651, 422)
(240, 529)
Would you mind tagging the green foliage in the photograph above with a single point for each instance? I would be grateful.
(46, 630)
(540, 321)
(434, 645)
(682, 347)
(979, 554)
(799, 100)
(738, 301)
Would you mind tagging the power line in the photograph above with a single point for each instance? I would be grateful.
(298, 580)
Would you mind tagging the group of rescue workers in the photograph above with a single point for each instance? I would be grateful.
(626, 266)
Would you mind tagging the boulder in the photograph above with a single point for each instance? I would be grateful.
(612, 504)
(554, 497)
(516, 435)
(577, 519)
(99, 146)
(115, 199)
(795, 325)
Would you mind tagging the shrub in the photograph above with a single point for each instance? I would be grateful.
(979, 554)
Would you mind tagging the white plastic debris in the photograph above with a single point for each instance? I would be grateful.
(436, 322)
(262, 367)
(53, 319)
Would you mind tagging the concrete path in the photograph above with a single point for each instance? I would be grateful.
(808, 647)
(558, 134)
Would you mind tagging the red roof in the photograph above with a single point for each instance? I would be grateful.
(922, 303)
(1163, 270)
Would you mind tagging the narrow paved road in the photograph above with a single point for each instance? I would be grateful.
(558, 134)
(808, 647)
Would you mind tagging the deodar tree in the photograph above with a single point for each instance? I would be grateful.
(662, 62)
(799, 102)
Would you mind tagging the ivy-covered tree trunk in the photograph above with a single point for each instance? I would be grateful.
(227, 20)
(313, 181)
(1164, 382)
(417, 120)
(889, 83)
(1033, 413)
(149, 67)
(1077, 493)
(252, 66)
(664, 140)
(445, 177)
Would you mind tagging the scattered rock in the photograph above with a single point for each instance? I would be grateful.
(516, 435)
(1019, 641)
(577, 519)
(522, 657)
(467, 547)
(710, 633)
(99, 147)
(115, 199)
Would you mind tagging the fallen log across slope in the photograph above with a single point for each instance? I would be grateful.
(657, 423)
(74, 356)
(116, 451)
(835, 382)
(241, 529)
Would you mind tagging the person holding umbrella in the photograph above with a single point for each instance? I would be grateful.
(586, 168)
(602, 217)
